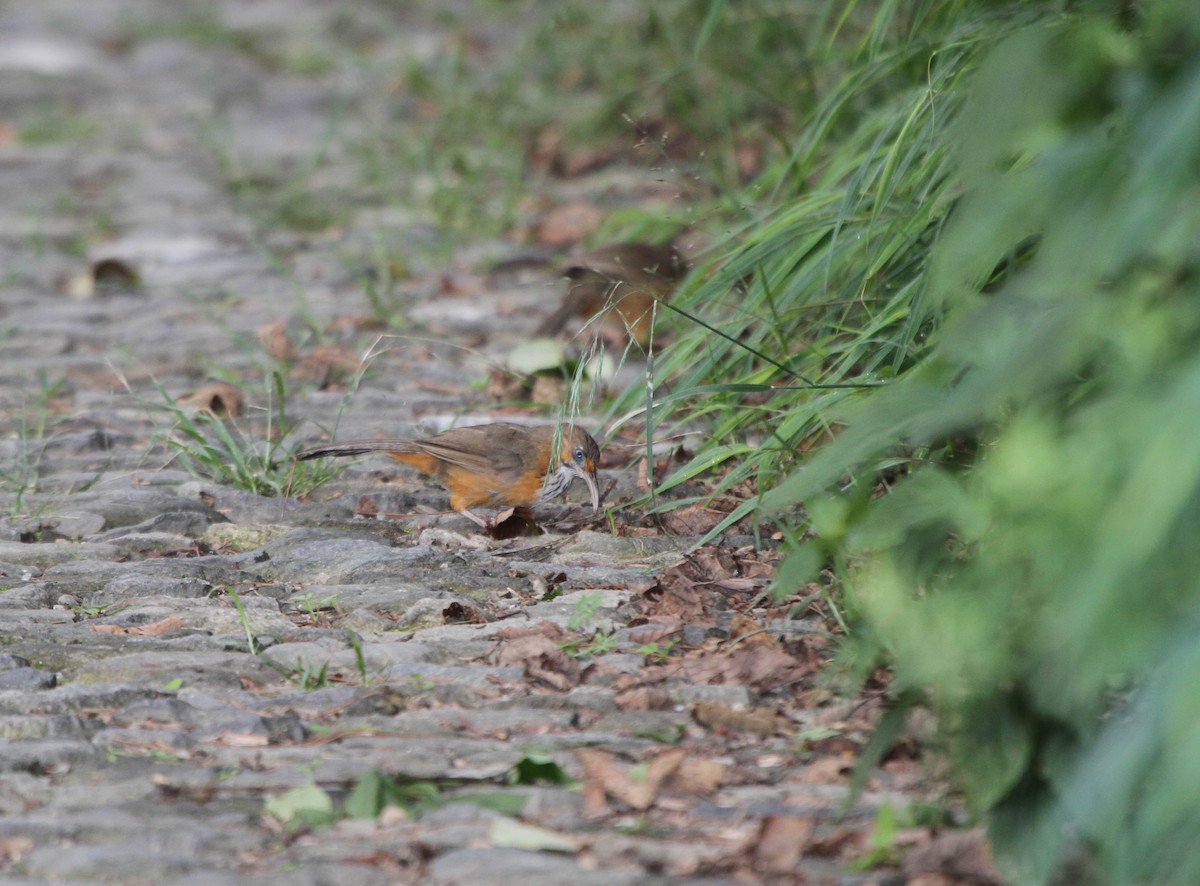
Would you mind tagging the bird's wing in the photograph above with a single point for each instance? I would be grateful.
(499, 448)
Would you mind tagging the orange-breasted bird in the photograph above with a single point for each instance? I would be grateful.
(624, 279)
(493, 465)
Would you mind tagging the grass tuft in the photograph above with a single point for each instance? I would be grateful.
(216, 448)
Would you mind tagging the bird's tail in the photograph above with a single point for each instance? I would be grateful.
(356, 447)
(553, 324)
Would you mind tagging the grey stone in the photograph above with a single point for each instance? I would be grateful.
(41, 557)
(21, 727)
(106, 864)
(43, 754)
(83, 574)
(731, 695)
(338, 559)
(74, 525)
(190, 524)
(467, 867)
(10, 662)
(26, 678)
(136, 584)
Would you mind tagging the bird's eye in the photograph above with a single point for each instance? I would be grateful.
(578, 453)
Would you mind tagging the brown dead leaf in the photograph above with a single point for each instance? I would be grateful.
(162, 626)
(718, 717)
(551, 154)
(568, 224)
(635, 786)
(828, 770)
(513, 523)
(845, 843)
(13, 849)
(694, 520)
(458, 285)
(662, 629)
(760, 667)
(543, 628)
(241, 739)
(542, 658)
(113, 273)
(959, 856)
(782, 842)
(171, 790)
(505, 385)
(366, 507)
(221, 399)
(103, 276)
(643, 475)
(677, 596)
(457, 613)
(329, 364)
(756, 564)
(749, 632)
(275, 340)
(699, 776)
(692, 588)
(548, 389)
(748, 155)
(643, 698)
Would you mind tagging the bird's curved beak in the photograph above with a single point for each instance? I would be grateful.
(589, 477)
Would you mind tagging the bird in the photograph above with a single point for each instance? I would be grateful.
(626, 277)
(493, 465)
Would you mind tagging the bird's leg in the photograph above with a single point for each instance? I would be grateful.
(476, 518)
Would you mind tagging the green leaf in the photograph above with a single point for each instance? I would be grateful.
(366, 799)
(305, 805)
(506, 833)
(535, 768)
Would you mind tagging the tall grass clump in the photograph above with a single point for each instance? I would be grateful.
(1038, 589)
(213, 446)
(820, 290)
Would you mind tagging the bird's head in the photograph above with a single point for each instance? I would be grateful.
(579, 457)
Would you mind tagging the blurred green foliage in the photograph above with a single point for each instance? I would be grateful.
(1032, 573)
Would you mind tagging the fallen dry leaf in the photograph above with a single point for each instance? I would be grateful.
(828, 770)
(513, 523)
(959, 856)
(569, 223)
(635, 786)
(719, 717)
(14, 848)
(162, 626)
(677, 595)
(457, 613)
(221, 399)
(329, 364)
(643, 698)
(782, 842)
(543, 628)
(241, 739)
(694, 520)
(275, 340)
(759, 667)
(699, 775)
(548, 389)
(503, 384)
(541, 656)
